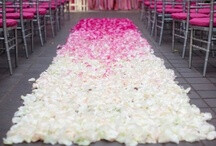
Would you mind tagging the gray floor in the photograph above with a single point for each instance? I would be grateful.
(203, 93)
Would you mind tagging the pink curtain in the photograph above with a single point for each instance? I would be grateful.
(135, 3)
(113, 4)
(91, 4)
(100, 4)
(110, 4)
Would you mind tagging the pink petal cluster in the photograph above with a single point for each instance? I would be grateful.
(107, 40)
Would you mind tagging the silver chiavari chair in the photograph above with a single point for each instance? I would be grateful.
(150, 11)
(9, 10)
(51, 16)
(62, 11)
(142, 11)
(206, 26)
(67, 8)
(8, 32)
(39, 19)
(181, 23)
(25, 25)
(153, 14)
(180, 26)
(25, 22)
(57, 5)
(64, 8)
(163, 15)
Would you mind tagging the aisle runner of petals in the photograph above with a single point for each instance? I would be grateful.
(106, 83)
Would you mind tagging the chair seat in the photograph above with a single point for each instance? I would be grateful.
(204, 22)
(183, 16)
(56, 2)
(26, 5)
(178, 6)
(159, 3)
(46, 6)
(9, 10)
(160, 6)
(26, 15)
(63, 1)
(167, 6)
(147, 3)
(9, 22)
(9, 3)
(42, 11)
(53, 3)
(170, 10)
(203, 11)
(207, 5)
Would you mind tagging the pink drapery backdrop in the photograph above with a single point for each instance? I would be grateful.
(113, 4)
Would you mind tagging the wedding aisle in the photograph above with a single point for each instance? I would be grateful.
(106, 83)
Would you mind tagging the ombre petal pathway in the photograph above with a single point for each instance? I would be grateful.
(106, 83)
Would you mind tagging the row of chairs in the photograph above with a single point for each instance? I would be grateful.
(21, 19)
(194, 17)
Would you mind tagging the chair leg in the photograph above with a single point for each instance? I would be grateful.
(68, 10)
(32, 36)
(24, 39)
(63, 14)
(205, 63)
(142, 12)
(9, 61)
(185, 40)
(156, 28)
(213, 52)
(45, 31)
(173, 36)
(153, 24)
(149, 20)
(8, 53)
(57, 19)
(39, 30)
(16, 48)
(52, 25)
(191, 48)
(207, 52)
(145, 14)
(161, 32)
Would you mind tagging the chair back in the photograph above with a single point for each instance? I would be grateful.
(3, 13)
(199, 6)
(4, 21)
(212, 7)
